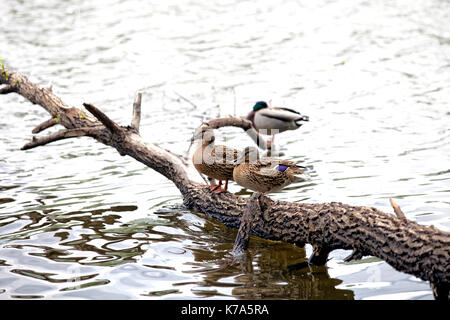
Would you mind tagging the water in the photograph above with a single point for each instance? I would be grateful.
(77, 220)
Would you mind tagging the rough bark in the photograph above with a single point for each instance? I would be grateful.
(245, 225)
(242, 123)
(406, 245)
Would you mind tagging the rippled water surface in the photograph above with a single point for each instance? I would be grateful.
(77, 220)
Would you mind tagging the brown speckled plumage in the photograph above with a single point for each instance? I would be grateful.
(262, 175)
(215, 161)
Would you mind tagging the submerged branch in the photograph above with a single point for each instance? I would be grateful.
(245, 227)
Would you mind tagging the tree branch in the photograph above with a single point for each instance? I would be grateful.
(45, 125)
(355, 255)
(242, 123)
(65, 134)
(135, 122)
(319, 257)
(397, 210)
(7, 89)
(441, 292)
(187, 100)
(113, 127)
(245, 227)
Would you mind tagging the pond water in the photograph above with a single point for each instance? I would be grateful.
(78, 221)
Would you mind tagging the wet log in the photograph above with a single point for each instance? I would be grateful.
(423, 251)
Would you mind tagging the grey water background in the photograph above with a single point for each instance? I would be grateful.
(78, 221)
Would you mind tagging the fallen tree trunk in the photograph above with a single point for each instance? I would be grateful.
(407, 246)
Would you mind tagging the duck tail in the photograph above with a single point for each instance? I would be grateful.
(302, 118)
(300, 177)
(300, 174)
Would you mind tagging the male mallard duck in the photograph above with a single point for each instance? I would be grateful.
(265, 174)
(275, 120)
(215, 161)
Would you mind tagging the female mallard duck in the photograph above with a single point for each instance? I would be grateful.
(215, 161)
(275, 120)
(265, 174)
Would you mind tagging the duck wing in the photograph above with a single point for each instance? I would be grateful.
(287, 109)
(300, 118)
(282, 114)
(291, 164)
(270, 166)
(281, 164)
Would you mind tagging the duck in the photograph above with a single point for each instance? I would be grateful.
(214, 161)
(265, 175)
(275, 120)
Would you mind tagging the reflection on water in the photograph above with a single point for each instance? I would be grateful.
(79, 221)
(78, 251)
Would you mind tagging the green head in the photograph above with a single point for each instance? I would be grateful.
(260, 105)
